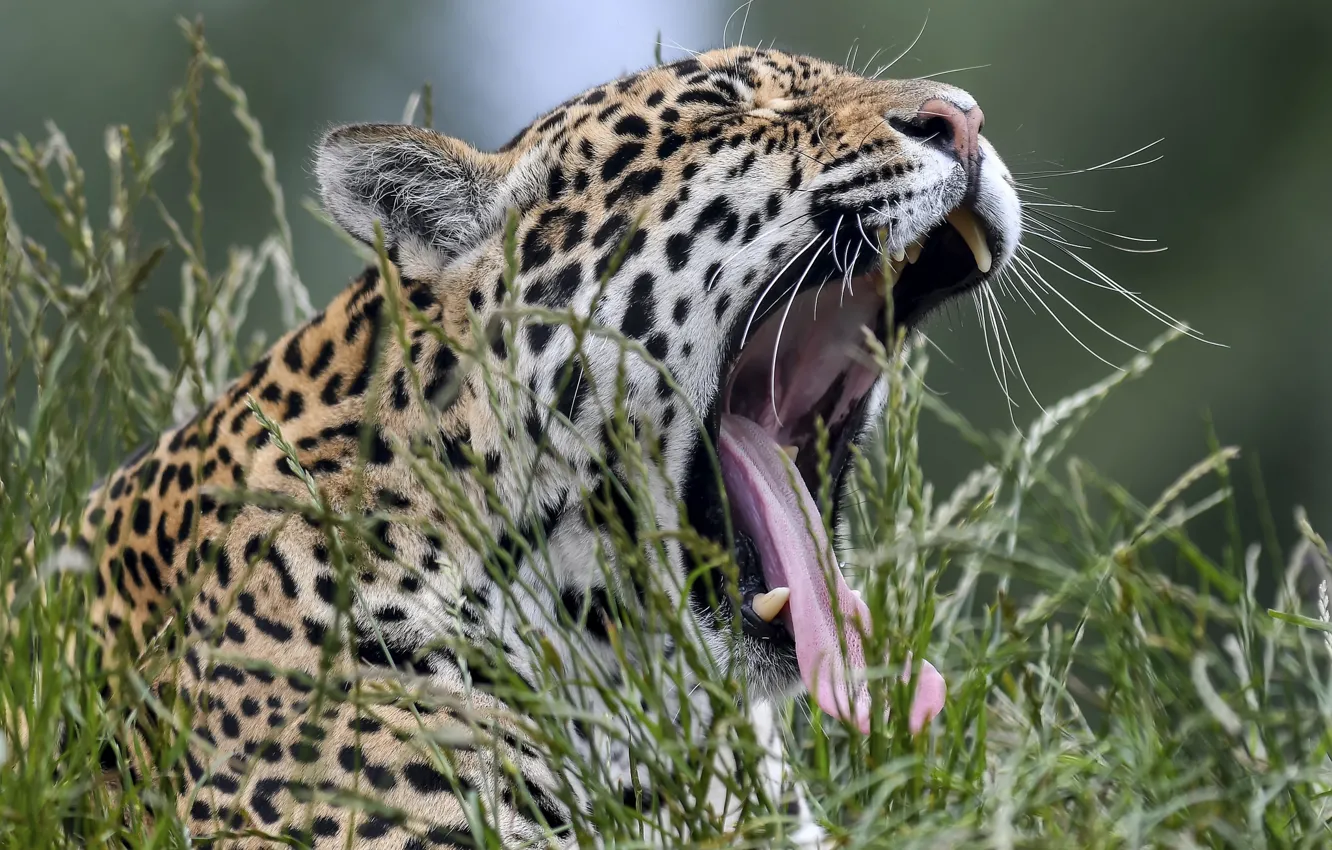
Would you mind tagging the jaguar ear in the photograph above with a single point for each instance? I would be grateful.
(435, 197)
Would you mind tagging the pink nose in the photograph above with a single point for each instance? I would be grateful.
(953, 128)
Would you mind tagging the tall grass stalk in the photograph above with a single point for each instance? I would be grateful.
(1111, 684)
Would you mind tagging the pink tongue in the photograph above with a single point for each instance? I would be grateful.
(764, 504)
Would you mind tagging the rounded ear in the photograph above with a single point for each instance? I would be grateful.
(428, 191)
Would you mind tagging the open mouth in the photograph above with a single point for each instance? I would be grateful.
(805, 364)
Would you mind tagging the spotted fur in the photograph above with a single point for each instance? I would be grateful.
(660, 205)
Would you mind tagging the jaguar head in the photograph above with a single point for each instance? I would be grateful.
(741, 224)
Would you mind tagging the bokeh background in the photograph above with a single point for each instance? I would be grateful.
(1239, 90)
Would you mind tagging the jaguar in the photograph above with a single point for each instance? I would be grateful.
(711, 250)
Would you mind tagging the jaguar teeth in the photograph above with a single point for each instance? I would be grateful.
(769, 605)
(791, 451)
(964, 221)
(913, 251)
(899, 255)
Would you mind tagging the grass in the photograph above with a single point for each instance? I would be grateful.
(1110, 683)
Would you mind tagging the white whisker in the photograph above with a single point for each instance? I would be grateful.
(1082, 227)
(1111, 284)
(836, 228)
(1017, 365)
(846, 279)
(772, 374)
(985, 334)
(1006, 276)
(1023, 263)
(1060, 204)
(726, 26)
(763, 235)
(861, 225)
(1109, 165)
(901, 55)
(675, 45)
(932, 344)
(1047, 232)
(952, 71)
(870, 61)
(745, 336)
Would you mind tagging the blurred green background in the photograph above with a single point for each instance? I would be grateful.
(1240, 92)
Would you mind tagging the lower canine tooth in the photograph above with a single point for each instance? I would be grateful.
(769, 605)
(791, 451)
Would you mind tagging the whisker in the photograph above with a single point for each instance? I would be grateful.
(953, 71)
(985, 335)
(1111, 288)
(837, 260)
(906, 364)
(764, 234)
(932, 344)
(985, 299)
(744, 22)
(1037, 295)
(870, 61)
(675, 45)
(1109, 165)
(846, 279)
(1006, 276)
(900, 56)
(1082, 228)
(772, 374)
(726, 26)
(745, 336)
(861, 225)
(1054, 202)
(883, 122)
(1049, 232)
(1079, 311)
(1113, 285)
(1122, 249)
(1017, 364)
(854, 260)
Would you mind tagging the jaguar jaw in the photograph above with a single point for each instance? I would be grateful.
(806, 366)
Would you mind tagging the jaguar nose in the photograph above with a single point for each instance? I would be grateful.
(951, 128)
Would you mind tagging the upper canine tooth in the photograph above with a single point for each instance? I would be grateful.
(899, 255)
(913, 251)
(769, 605)
(964, 221)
